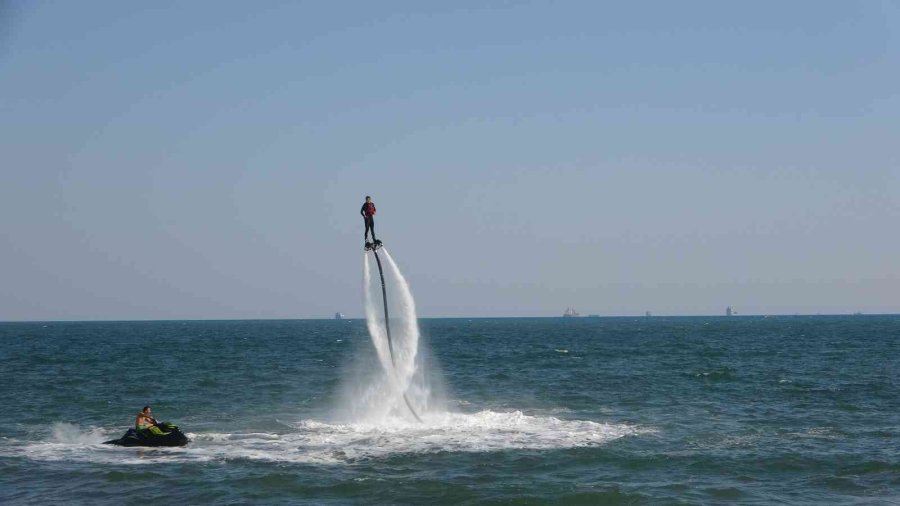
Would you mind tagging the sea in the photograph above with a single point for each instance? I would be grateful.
(582, 411)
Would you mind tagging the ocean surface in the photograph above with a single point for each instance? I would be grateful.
(658, 410)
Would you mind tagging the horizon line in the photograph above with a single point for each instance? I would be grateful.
(586, 317)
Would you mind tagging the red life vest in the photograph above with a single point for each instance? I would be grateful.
(369, 208)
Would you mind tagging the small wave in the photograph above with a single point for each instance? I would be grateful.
(720, 374)
(725, 493)
(870, 467)
(612, 496)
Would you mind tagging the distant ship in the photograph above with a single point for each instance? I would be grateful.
(338, 316)
(729, 311)
(570, 313)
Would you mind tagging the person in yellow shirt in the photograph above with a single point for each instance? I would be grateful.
(145, 421)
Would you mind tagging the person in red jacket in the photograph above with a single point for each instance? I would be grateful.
(368, 214)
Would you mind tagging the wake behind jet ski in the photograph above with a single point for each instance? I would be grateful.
(148, 432)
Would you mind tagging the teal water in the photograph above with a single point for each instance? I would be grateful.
(752, 410)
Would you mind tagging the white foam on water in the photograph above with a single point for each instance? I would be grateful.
(68, 433)
(320, 442)
(71, 443)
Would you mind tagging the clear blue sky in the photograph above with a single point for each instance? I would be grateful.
(208, 159)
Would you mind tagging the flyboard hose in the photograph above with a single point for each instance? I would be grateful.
(387, 327)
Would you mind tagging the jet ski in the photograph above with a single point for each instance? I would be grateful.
(168, 435)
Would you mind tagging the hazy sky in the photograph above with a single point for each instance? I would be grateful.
(209, 159)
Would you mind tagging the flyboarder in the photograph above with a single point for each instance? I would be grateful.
(368, 213)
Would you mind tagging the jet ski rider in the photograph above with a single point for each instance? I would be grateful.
(368, 213)
(145, 421)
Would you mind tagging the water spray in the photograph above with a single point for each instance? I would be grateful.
(387, 327)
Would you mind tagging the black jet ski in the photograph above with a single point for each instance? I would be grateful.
(168, 435)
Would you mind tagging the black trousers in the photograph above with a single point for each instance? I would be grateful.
(370, 225)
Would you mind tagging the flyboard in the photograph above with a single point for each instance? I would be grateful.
(374, 247)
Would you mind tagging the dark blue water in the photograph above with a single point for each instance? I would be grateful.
(802, 410)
